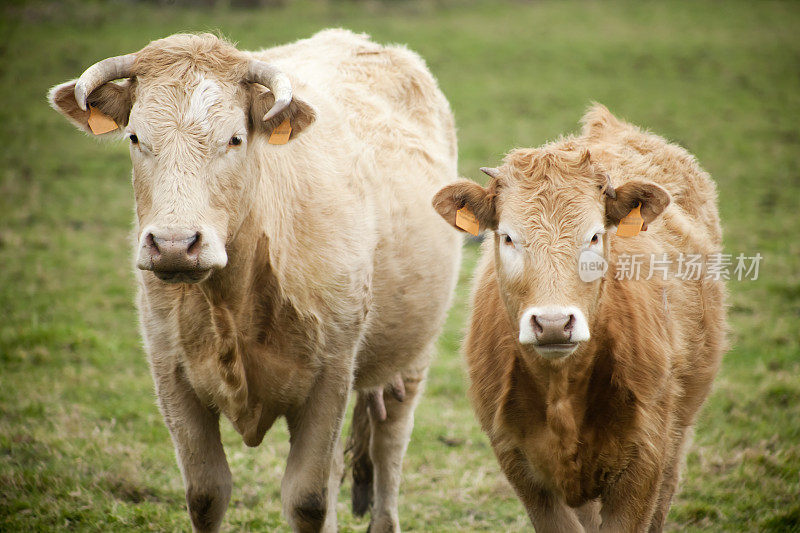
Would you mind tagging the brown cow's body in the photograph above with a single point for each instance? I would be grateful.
(598, 435)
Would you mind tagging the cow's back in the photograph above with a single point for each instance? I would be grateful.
(690, 313)
(629, 153)
(384, 94)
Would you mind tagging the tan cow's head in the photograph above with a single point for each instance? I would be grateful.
(545, 207)
(194, 110)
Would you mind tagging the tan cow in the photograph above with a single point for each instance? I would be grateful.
(278, 273)
(588, 390)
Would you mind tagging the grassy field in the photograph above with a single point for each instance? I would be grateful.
(82, 445)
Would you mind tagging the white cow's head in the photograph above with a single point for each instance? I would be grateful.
(193, 109)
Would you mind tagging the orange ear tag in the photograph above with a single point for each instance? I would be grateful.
(466, 220)
(99, 122)
(280, 135)
(631, 224)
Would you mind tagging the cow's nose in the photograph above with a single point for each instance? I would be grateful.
(173, 251)
(553, 328)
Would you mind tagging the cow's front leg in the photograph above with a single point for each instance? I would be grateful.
(201, 458)
(629, 504)
(547, 511)
(669, 482)
(311, 482)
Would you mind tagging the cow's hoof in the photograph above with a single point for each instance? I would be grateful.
(309, 513)
(383, 523)
(205, 510)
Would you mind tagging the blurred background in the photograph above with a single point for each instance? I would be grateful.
(82, 445)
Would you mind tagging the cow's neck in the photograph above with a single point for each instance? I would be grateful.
(247, 248)
(560, 378)
(565, 387)
(565, 392)
(227, 285)
(236, 304)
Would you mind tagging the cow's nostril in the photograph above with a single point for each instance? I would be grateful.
(151, 244)
(537, 328)
(570, 323)
(194, 244)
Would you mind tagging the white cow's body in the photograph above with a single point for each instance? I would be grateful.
(336, 271)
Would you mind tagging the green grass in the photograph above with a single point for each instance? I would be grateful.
(82, 445)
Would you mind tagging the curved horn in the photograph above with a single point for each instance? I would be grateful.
(274, 80)
(104, 71)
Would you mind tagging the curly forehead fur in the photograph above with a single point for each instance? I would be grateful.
(182, 55)
(541, 185)
(558, 164)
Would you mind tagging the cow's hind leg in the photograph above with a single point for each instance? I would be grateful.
(391, 432)
(358, 447)
(201, 457)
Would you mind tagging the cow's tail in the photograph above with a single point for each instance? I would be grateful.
(358, 451)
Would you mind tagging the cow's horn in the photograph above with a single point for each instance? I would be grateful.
(274, 80)
(608, 189)
(491, 172)
(104, 71)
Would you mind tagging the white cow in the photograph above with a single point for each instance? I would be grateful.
(279, 272)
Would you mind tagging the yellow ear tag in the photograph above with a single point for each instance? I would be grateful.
(631, 224)
(466, 220)
(99, 122)
(280, 135)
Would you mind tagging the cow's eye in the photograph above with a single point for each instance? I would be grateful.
(508, 241)
(595, 238)
(134, 139)
(235, 141)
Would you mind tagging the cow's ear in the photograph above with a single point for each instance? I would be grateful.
(111, 99)
(653, 198)
(461, 193)
(300, 113)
